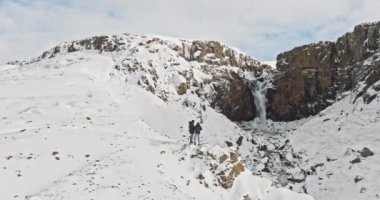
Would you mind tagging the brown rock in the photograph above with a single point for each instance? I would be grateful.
(214, 53)
(234, 157)
(227, 175)
(231, 92)
(223, 158)
(182, 88)
(311, 76)
(234, 98)
(237, 169)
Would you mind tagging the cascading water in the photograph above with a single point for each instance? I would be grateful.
(259, 94)
(260, 101)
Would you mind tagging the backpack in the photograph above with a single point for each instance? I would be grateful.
(198, 128)
(191, 127)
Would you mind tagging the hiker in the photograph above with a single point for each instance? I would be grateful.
(191, 131)
(197, 130)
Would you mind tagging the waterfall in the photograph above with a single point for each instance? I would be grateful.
(260, 99)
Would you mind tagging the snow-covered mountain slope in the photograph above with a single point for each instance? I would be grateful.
(336, 144)
(79, 125)
(334, 155)
(170, 67)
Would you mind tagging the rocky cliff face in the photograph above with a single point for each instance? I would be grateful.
(311, 77)
(233, 95)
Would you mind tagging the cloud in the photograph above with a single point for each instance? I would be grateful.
(261, 28)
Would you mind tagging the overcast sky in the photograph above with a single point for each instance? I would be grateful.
(262, 28)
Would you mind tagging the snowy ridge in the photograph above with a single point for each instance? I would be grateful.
(161, 65)
(127, 41)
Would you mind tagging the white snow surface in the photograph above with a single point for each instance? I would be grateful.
(72, 127)
(335, 137)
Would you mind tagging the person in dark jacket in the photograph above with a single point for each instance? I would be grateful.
(197, 130)
(191, 131)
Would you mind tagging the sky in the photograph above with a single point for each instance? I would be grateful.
(261, 28)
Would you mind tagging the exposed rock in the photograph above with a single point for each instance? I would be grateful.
(239, 141)
(234, 98)
(148, 82)
(311, 76)
(226, 181)
(234, 156)
(365, 152)
(100, 43)
(215, 53)
(225, 164)
(223, 158)
(298, 176)
(182, 88)
(358, 179)
(328, 159)
(263, 147)
(231, 91)
(369, 98)
(356, 160)
(315, 167)
(229, 144)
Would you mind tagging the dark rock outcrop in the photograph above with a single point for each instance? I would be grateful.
(365, 152)
(311, 77)
(214, 53)
(356, 160)
(232, 93)
(234, 98)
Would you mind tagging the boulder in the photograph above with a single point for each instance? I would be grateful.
(226, 181)
(365, 152)
(239, 141)
(229, 144)
(182, 88)
(356, 160)
(225, 164)
(234, 156)
(223, 158)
